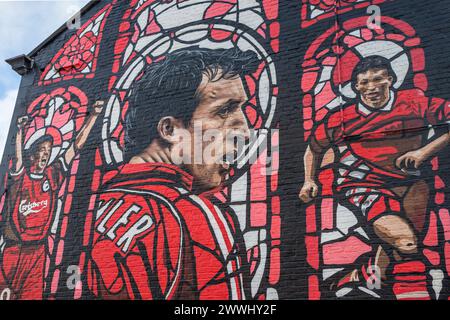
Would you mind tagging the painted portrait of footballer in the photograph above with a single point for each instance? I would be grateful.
(379, 153)
(159, 233)
(30, 208)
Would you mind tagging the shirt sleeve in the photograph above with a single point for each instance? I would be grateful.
(323, 134)
(438, 112)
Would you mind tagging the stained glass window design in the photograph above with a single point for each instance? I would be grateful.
(78, 58)
(335, 240)
(61, 115)
(313, 11)
(147, 33)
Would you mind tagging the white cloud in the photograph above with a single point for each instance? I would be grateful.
(6, 109)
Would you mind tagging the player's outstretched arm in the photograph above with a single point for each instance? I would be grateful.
(319, 142)
(414, 159)
(84, 133)
(310, 189)
(21, 122)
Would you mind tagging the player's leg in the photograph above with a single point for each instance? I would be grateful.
(399, 229)
(10, 273)
(34, 267)
(415, 204)
(366, 279)
(393, 233)
(408, 270)
(369, 278)
(397, 233)
(416, 207)
(5, 287)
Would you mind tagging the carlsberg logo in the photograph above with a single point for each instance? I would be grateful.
(26, 209)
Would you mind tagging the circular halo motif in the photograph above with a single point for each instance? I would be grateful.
(59, 115)
(330, 60)
(190, 30)
(393, 52)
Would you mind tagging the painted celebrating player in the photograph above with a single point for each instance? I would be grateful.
(379, 149)
(159, 232)
(30, 210)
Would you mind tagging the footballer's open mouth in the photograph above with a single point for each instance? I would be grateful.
(373, 96)
(43, 162)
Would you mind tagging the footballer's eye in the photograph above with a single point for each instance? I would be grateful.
(226, 109)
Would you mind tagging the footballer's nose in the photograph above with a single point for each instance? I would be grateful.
(240, 124)
(371, 86)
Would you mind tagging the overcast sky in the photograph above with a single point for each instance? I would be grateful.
(23, 26)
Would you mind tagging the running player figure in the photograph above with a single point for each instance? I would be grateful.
(379, 149)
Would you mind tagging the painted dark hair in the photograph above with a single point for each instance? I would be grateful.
(372, 63)
(169, 88)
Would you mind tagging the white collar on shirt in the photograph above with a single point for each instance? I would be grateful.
(388, 107)
(36, 176)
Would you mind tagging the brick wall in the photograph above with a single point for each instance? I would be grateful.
(342, 193)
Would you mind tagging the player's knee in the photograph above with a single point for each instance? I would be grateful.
(395, 231)
(406, 245)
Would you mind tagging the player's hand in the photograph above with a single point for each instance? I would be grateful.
(98, 107)
(411, 160)
(309, 191)
(22, 121)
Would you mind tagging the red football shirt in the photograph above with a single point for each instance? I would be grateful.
(359, 164)
(32, 202)
(154, 239)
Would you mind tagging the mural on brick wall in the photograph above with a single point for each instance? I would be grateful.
(154, 228)
(48, 141)
(144, 163)
(372, 186)
(78, 58)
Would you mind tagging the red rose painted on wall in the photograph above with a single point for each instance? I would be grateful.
(315, 10)
(78, 55)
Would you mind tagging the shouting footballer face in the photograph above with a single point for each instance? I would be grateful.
(41, 156)
(219, 110)
(198, 96)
